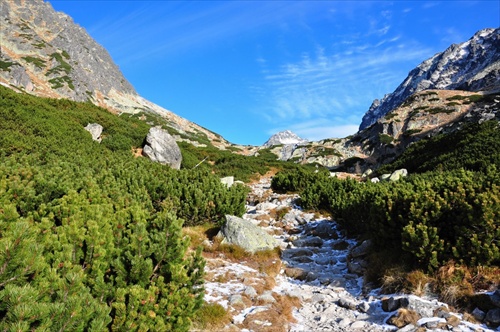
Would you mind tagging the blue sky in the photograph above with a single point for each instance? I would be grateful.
(248, 69)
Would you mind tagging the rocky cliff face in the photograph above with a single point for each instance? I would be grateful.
(472, 66)
(43, 52)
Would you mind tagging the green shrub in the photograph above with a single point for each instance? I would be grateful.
(91, 236)
(385, 139)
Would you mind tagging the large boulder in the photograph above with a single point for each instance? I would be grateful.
(161, 147)
(245, 234)
(95, 130)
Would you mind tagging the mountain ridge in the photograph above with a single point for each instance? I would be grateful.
(473, 65)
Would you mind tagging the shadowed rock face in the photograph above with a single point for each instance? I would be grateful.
(472, 66)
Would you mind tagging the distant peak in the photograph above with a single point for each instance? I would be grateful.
(284, 137)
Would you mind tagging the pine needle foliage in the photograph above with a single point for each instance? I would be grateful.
(91, 237)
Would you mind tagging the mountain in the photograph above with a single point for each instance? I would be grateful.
(284, 137)
(471, 66)
(44, 53)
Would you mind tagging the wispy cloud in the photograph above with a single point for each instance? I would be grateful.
(336, 87)
(177, 27)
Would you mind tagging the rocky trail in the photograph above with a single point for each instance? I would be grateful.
(317, 284)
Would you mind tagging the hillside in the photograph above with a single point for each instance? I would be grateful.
(84, 223)
(44, 53)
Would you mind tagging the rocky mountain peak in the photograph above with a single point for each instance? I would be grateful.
(44, 53)
(283, 138)
(471, 66)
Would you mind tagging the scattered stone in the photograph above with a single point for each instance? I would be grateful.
(308, 242)
(326, 260)
(266, 297)
(398, 174)
(478, 314)
(390, 304)
(358, 325)
(362, 250)
(236, 300)
(363, 307)
(228, 181)
(403, 317)
(95, 130)
(297, 252)
(493, 317)
(453, 320)
(346, 303)
(324, 230)
(296, 273)
(250, 292)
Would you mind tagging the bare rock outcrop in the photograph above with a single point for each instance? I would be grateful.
(95, 130)
(245, 234)
(161, 147)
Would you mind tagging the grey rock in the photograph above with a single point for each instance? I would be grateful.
(324, 230)
(357, 266)
(363, 307)
(296, 273)
(303, 259)
(347, 303)
(478, 314)
(245, 234)
(493, 317)
(308, 242)
(250, 292)
(326, 260)
(95, 130)
(161, 147)
(359, 325)
(266, 297)
(390, 304)
(398, 174)
(361, 250)
(236, 299)
(344, 322)
(297, 252)
(228, 181)
(384, 177)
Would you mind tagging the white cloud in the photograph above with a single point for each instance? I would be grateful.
(337, 86)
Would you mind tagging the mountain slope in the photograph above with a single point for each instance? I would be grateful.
(472, 66)
(43, 52)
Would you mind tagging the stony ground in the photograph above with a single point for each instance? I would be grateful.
(311, 287)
